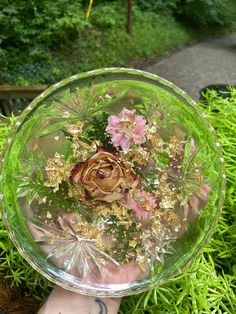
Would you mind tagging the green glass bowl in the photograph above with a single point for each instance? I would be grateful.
(181, 164)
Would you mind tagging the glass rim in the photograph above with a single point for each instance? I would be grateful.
(64, 279)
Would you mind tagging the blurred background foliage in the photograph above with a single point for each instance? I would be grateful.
(45, 41)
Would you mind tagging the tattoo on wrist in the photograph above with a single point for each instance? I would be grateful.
(102, 305)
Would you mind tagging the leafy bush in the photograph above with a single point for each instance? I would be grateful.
(207, 13)
(108, 15)
(98, 46)
(39, 24)
(157, 5)
(198, 13)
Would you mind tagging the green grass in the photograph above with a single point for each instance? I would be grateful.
(208, 285)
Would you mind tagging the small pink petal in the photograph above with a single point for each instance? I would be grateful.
(125, 145)
(117, 139)
(139, 206)
(139, 139)
(138, 210)
(127, 114)
(114, 120)
(139, 129)
(140, 121)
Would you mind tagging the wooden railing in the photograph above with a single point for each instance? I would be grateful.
(9, 93)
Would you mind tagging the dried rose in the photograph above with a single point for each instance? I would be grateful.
(104, 177)
(126, 129)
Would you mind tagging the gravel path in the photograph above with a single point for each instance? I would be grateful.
(209, 62)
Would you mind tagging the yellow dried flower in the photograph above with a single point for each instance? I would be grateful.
(75, 129)
(57, 171)
(139, 154)
(175, 147)
(132, 243)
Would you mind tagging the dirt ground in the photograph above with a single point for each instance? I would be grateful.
(14, 301)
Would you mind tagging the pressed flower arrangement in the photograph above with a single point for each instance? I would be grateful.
(115, 179)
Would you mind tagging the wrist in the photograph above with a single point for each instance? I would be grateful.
(67, 302)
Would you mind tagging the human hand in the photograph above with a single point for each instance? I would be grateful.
(65, 301)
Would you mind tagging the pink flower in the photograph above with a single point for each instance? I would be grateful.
(126, 129)
(143, 204)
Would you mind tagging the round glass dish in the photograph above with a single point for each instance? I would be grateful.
(112, 182)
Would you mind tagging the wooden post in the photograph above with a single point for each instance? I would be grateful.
(129, 17)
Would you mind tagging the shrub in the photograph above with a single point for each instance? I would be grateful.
(39, 24)
(198, 13)
(207, 13)
(108, 15)
(97, 46)
(157, 5)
